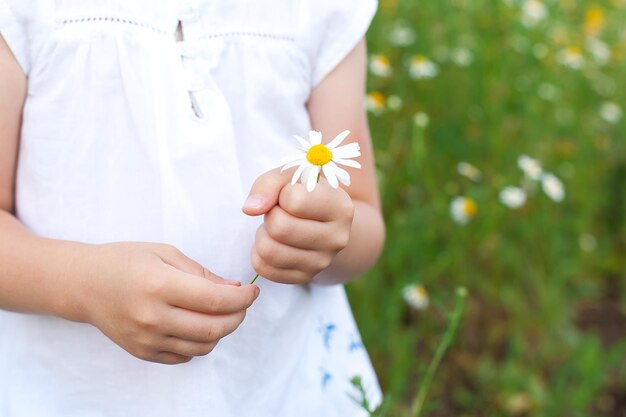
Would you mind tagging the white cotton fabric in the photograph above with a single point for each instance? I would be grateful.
(129, 135)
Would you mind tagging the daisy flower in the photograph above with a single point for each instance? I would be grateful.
(421, 67)
(530, 166)
(401, 35)
(611, 112)
(463, 209)
(553, 187)
(415, 296)
(571, 57)
(533, 12)
(513, 197)
(314, 157)
(380, 66)
(375, 102)
(599, 50)
(468, 170)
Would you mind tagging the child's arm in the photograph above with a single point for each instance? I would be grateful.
(148, 298)
(330, 235)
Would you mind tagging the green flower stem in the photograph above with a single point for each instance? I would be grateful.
(254, 279)
(448, 338)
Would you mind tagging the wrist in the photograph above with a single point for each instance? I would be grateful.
(69, 289)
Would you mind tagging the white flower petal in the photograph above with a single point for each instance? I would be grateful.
(297, 174)
(351, 150)
(289, 159)
(338, 139)
(291, 165)
(315, 137)
(308, 170)
(329, 173)
(342, 175)
(347, 162)
(303, 143)
(311, 181)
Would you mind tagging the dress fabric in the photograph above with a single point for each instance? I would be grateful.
(132, 135)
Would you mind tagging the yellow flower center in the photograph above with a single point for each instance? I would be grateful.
(382, 60)
(594, 21)
(376, 98)
(319, 155)
(470, 208)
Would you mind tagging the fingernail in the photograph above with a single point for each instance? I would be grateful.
(257, 291)
(254, 202)
(235, 283)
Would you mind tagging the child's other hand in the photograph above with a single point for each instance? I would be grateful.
(302, 232)
(158, 304)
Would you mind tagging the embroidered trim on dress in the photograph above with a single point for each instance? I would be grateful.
(263, 35)
(112, 19)
(217, 35)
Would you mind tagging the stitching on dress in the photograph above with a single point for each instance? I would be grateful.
(112, 19)
(248, 35)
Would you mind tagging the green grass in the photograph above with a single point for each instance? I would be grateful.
(544, 332)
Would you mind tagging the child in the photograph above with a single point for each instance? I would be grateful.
(154, 121)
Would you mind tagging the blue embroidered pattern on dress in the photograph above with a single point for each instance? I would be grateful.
(326, 330)
(355, 344)
(326, 377)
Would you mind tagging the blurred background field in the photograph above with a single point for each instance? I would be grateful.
(501, 150)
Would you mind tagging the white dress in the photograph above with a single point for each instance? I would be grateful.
(129, 135)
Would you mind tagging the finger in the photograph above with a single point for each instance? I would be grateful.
(297, 232)
(199, 294)
(264, 192)
(174, 257)
(324, 203)
(280, 255)
(186, 348)
(202, 328)
(283, 276)
(216, 279)
(169, 358)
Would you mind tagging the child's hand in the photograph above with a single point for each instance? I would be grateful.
(158, 304)
(302, 232)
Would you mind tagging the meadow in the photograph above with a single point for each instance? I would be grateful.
(501, 152)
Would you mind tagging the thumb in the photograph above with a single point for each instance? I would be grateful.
(265, 191)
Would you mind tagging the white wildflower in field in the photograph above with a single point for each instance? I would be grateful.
(462, 57)
(553, 187)
(587, 242)
(611, 112)
(513, 197)
(547, 91)
(571, 57)
(468, 170)
(530, 167)
(415, 296)
(599, 50)
(463, 209)
(421, 67)
(533, 12)
(421, 119)
(379, 65)
(394, 102)
(375, 102)
(401, 35)
(314, 157)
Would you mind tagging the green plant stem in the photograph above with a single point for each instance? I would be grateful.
(448, 338)
(254, 279)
